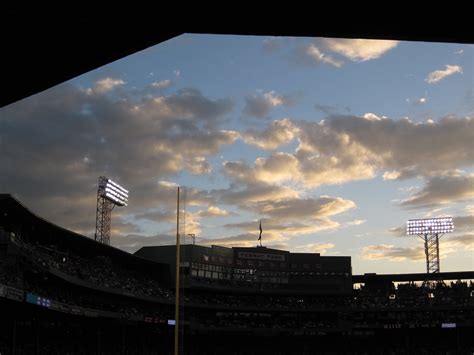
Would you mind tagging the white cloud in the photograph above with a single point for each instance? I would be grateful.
(260, 105)
(320, 248)
(459, 242)
(392, 253)
(438, 75)
(162, 84)
(213, 211)
(372, 117)
(276, 229)
(391, 175)
(285, 214)
(418, 101)
(280, 167)
(461, 51)
(469, 209)
(280, 132)
(443, 190)
(340, 149)
(356, 222)
(464, 223)
(359, 50)
(134, 142)
(107, 84)
(241, 240)
(319, 57)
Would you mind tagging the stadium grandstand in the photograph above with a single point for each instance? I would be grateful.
(64, 293)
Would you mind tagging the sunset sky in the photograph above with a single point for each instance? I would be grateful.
(332, 143)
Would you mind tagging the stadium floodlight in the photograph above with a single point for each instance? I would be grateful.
(113, 191)
(109, 195)
(430, 230)
(430, 225)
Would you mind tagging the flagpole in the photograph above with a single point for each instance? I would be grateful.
(176, 300)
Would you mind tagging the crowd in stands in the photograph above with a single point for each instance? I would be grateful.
(411, 295)
(99, 270)
(407, 304)
(11, 276)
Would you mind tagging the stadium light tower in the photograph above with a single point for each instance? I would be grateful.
(109, 195)
(430, 230)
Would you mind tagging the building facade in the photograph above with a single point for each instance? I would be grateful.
(256, 267)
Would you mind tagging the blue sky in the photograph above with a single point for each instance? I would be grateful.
(332, 143)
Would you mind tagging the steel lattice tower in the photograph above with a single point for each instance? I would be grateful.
(431, 252)
(109, 195)
(103, 218)
(431, 230)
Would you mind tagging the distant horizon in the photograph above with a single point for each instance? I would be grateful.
(250, 246)
(333, 144)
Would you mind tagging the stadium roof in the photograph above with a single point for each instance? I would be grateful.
(20, 214)
(459, 275)
(44, 46)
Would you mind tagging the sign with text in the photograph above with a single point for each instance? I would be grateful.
(260, 256)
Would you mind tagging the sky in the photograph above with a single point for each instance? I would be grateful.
(333, 144)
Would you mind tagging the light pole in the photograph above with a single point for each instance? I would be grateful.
(430, 230)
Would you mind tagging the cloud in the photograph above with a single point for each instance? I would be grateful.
(213, 211)
(469, 209)
(359, 50)
(331, 110)
(392, 253)
(418, 101)
(439, 75)
(459, 242)
(163, 84)
(320, 248)
(443, 190)
(397, 145)
(132, 242)
(327, 50)
(260, 105)
(461, 51)
(342, 149)
(157, 216)
(252, 193)
(294, 209)
(255, 189)
(391, 175)
(107, 84)
(283, 211)
(57, 143)
(284, 230)
(279, 133)
(399, 231)
(347, 148)
(241, 240)
(315, 54)
(356, 222)
(463, 223)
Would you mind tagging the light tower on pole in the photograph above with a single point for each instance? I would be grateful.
(109, 195)
(431, 230)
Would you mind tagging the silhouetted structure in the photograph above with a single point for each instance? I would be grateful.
(53, 299)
